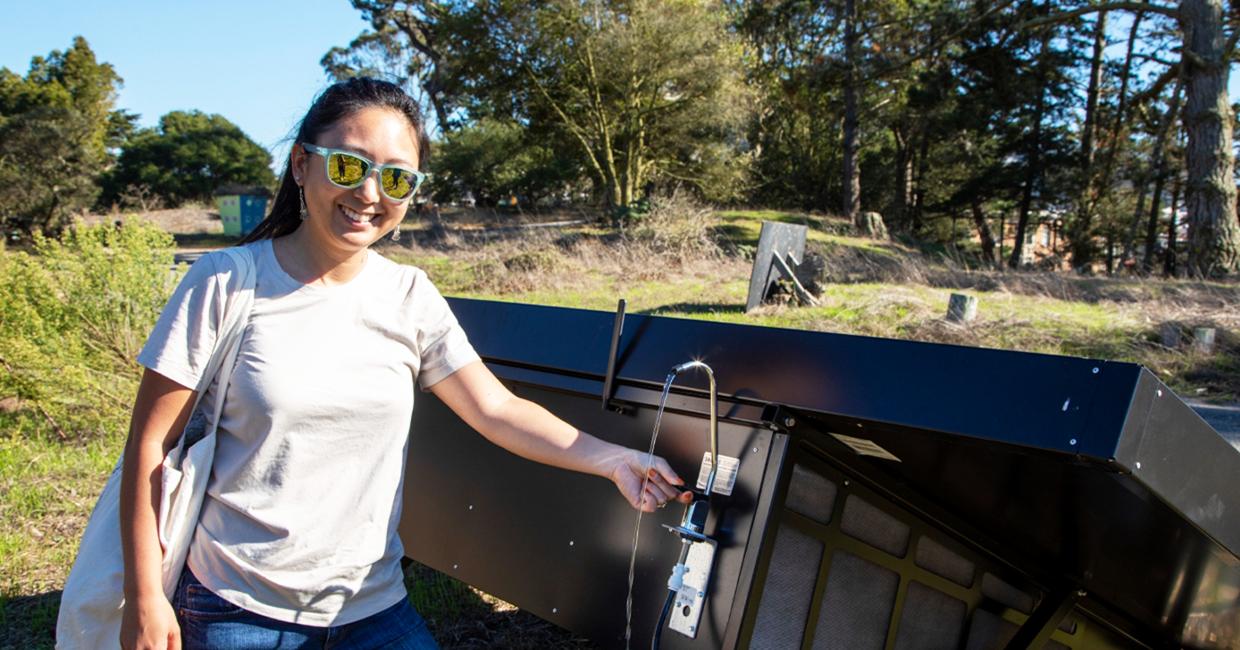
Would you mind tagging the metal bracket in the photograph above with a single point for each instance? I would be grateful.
(778, 417)
(609, 380)
(1045, 618)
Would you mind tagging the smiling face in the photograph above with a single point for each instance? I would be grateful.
(344, 222)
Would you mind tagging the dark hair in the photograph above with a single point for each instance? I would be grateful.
(339, 101)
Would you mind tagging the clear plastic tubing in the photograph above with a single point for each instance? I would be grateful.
(637, 527)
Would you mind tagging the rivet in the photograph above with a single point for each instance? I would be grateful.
(1072, 441)
(1095, 371)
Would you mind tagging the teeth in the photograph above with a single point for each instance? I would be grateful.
(356, 217)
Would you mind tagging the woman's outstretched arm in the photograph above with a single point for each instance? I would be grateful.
(160, 413)
(530, 431)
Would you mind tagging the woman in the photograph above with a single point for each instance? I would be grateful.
(297, 544)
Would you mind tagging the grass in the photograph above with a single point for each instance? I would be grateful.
(47, 485)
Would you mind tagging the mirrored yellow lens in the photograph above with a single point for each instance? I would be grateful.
(347, 170)
(397, 183)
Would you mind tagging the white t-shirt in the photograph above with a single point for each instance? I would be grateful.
(299, 521)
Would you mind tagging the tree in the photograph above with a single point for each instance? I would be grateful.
(1210, 194)
(187, 157)
(56, 127)
(632, 92)
(494, 160)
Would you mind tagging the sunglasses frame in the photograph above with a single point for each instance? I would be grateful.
(326, 153)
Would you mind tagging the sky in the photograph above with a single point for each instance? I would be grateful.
(256, 63)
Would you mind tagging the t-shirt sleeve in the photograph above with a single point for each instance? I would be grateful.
(180, 345)
(442, 343)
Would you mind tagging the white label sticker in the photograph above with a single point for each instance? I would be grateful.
(725, 480)
(865, 447)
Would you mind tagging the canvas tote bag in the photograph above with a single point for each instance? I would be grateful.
(91, 606)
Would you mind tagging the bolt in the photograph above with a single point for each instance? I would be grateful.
(1095, 371)
(1072, 441)
(790, 422)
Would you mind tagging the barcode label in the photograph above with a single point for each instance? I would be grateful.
(725, 480)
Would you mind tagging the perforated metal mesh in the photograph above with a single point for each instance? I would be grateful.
(856, 608)
(988, 631)
(995, 588)
(874, 527)
(938, 559)
(789, 588)
(811, 494)
(931, 619)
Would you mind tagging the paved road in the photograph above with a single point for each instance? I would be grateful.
(1225, 418)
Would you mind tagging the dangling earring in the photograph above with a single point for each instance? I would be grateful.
(396, 233)
(301, 194)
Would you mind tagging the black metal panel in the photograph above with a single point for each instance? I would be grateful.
(1021, 398)
(1030, 458)
(558, 543)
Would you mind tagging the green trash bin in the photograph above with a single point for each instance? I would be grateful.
(241, 208)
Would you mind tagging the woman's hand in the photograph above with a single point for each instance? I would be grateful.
(150, 624)
(662, 487)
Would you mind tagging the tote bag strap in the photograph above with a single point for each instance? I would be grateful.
(236, 313)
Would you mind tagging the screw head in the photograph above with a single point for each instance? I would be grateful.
(1095, 371)
(1072, 441)
(790, 421)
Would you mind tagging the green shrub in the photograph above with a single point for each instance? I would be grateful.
(74, 313)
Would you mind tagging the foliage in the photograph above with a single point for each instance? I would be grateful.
(496, 160)
(73, 316)
(56, 126)
(186, 158)
(627, 93)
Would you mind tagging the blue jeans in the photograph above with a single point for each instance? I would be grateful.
(208, 621)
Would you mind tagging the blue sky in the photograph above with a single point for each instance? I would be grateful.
(256, 63)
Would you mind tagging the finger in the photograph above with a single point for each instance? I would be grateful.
(665, 471)
(646, 502)
(662, 489)
(174, 640)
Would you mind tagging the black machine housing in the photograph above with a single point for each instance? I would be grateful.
(890, 494)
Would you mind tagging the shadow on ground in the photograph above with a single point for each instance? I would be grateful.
(29, 621)
(694, 308)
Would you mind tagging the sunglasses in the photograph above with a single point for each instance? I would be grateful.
(349, 170)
